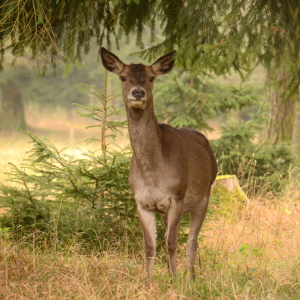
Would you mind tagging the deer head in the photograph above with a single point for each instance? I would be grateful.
(137, 79)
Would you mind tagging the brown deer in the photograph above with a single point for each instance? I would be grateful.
(171, 170)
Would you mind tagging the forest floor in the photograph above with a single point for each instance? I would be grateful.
(252, 255)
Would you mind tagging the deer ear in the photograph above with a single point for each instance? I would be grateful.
(111, 62)
(164, 64)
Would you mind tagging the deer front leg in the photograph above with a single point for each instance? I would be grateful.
(172, 221)
(147, 220)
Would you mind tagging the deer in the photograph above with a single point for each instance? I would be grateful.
(171, 170)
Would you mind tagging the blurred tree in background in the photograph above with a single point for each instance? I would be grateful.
(11, 107)
(55, 90)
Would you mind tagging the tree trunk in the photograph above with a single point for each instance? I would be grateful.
(231, 183)
(281, 110)
(296, 129)
(11, 108)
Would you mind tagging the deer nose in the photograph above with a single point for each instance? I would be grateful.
(138, 94)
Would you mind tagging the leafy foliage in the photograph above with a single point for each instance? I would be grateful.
(51, 29)
(208, 36)
(57, 193)
(186, 101)
(238, 34)
(259, 167)
(102, 112)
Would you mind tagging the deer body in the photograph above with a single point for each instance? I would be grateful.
(171, 170)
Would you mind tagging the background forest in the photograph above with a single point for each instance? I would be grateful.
(68, 222)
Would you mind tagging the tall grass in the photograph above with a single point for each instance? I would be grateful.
(254, 257)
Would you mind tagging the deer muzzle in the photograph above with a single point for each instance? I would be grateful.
(137, 97)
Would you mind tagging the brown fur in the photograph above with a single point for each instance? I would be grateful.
(171, 171)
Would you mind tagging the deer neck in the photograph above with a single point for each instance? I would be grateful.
(145, 136)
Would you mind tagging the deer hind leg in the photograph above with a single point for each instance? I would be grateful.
(196, 221)
(147, 220)
(172, 223)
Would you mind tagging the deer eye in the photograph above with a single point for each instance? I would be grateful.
(122, 78)
(151, 79)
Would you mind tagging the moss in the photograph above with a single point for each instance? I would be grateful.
(224, 202)
(224, 177)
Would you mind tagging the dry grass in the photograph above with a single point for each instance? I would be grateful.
(254, 257)
(263, 245)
